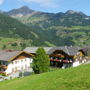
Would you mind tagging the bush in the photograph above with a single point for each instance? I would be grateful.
(4, 47)
(14, 44)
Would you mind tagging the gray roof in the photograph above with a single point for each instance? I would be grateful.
(49, 50)
(73, 50)
(68, 50)
(85, 49)
(31, 49)
(57, 48)
(34, 49)
(7, 55)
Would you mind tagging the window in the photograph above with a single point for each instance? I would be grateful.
(51, 57)
(31, 65)
(0, 62)
(15, 68)
(21, 60)
(12, 62)
(58, 58)
(0, 69)
(6, 63)
(25, 59)
(54, 57)
(25, 66)
(22, 67)
(15, 62)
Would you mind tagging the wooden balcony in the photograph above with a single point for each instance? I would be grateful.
(3, 66)
(59, 60)
(1, 72)
(65, 61)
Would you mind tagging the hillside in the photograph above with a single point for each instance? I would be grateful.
(69, 28)
(44, 20)
(14, 32)
(20, 33)
(69, 79)
(10, 27)
(35, 28)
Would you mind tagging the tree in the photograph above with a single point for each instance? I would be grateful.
(41, 61)
(14, 44)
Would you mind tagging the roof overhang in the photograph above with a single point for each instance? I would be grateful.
(19, 54)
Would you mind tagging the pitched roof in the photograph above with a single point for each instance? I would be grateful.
(85, 49)
(50, 50)
(6, 55)
(73, 50)
(31, 49)
(57, 48)
(34, 49)
(68, 50)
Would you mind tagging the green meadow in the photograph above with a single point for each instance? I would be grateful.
(77, 78)
(13, 43)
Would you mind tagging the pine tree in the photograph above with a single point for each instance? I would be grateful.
(41, 61)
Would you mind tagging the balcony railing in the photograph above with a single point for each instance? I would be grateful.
(61, 60)
(3, 66)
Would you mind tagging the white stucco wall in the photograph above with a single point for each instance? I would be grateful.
(20, 63)
(75, 64)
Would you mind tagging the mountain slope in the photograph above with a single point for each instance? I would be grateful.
(13, 34)
(10, 27)
(21, 11)
(44, 20)
(69, 79)
(51, 29)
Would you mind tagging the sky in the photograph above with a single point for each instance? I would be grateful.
(48, 5)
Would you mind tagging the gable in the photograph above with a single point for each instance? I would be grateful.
(21, 55)
(59, 53)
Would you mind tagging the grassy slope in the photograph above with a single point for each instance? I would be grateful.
(69, 79)
(6, 41)
(9, 41)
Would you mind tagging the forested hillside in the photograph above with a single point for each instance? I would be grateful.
(69, 28)
(35, 28)
(13, 32)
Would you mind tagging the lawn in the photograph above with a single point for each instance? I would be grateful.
(68, 79)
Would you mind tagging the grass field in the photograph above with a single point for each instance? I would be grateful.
(9, 41)
(69, 79)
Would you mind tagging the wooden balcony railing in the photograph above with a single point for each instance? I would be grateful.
(59, 60)
(3, 66)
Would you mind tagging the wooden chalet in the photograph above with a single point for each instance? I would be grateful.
(61, 56)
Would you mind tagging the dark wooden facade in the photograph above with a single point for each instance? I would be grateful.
(59, 57)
